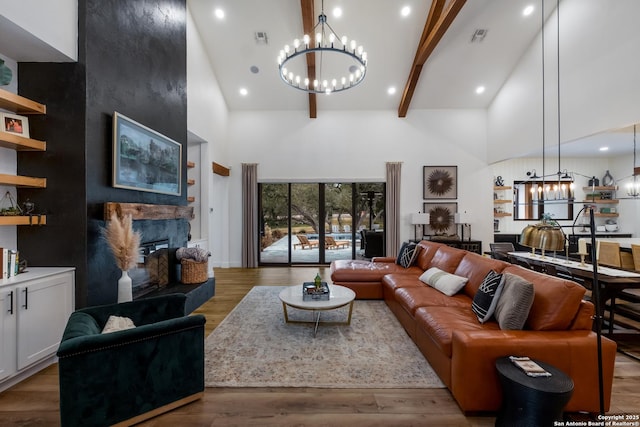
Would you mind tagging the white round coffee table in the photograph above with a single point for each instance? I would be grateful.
(339, 296)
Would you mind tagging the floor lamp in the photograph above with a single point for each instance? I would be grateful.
(419, 219)
(595, 291)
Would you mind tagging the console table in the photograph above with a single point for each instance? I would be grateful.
(467, 245)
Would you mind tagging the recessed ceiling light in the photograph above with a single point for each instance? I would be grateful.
(480, 89)
(391, 90)
(604, 148)
(405, 11)
(337, 12)
(219, 13)
(528, 10)
(244, 91)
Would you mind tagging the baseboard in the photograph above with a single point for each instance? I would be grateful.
(161, 410)
(27, 372)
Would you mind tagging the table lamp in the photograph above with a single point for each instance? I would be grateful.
(419, 219)
(464, 219)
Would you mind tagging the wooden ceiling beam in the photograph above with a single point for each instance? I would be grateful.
(308, 22)
(434, 29)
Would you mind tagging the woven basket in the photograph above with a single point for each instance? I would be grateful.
(193, 271)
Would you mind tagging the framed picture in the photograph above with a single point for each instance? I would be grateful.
(144, 159)
(441, 219)
(14, 124)
(440, 182)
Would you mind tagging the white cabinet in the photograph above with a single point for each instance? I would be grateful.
(35, 308)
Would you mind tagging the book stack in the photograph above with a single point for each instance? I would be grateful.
(529, 367)
(9, 260)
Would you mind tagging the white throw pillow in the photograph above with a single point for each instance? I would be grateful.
(447, 283)
(117, 323)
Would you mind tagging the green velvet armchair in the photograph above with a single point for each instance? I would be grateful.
(128, 376)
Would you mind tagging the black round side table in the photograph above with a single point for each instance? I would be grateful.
(531, 401)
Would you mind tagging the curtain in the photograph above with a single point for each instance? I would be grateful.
(393, 208)
(249, 215)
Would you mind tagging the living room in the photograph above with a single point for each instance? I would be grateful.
(499, 136)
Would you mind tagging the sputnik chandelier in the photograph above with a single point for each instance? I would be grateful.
(341, 63)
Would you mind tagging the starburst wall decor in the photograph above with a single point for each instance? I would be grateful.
(441, 218)
(440, 182)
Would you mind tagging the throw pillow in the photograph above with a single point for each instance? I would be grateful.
(117, 323)
(485, 300)
(407, 255)
(447, 283)
(514, 303)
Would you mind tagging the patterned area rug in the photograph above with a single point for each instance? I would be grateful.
(254, 347)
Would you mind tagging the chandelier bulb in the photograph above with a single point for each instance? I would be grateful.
(298, 80)
(318, 39)
(344, 41)
(344, 81)
(360, 50)
(306, 39)
(286, 48)
(332, 38)
(353, 45)
(296, 43)
(315, 83)
(334, 82)
(306, 82)
(325, 83)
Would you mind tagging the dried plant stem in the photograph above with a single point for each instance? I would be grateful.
(123, 241)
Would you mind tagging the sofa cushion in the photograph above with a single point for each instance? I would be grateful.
(345, 270)
(448, 284)
(427, 251)
(476, 267)
(484, 303)
(440, 322)
(407, 255)
(514, 302)
(412, 298)
(556, 301)
(447, 258)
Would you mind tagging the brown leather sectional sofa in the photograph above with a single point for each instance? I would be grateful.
(463, 351)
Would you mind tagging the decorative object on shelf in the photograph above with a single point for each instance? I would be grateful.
(333, 52)
(441, 218)
(9, 206)
(144, 159)
(125, 246)
(607, 179)
(14, 124)
(499, 182)
(440, 182)
(419, 220)
(5, 74)
(496, 225)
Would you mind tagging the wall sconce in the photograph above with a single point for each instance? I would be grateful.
(419, 219)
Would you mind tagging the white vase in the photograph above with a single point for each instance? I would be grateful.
(124, 287)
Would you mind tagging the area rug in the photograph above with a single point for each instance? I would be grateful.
(254, 347)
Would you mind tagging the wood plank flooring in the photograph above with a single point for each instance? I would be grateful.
(34, 402)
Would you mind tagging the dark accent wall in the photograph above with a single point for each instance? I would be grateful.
(132, 59)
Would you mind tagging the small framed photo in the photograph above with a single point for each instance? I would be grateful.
(15, 124)
(440, 182)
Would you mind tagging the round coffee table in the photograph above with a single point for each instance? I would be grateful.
(532, 401)
(339, 296)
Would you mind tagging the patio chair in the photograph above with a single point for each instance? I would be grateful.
(331, 243)
(305, 242)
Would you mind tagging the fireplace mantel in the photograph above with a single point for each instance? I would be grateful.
(147, 211)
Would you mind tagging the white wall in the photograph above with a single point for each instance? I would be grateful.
(354, 146)
(39, 30)
(207, 117)
(599, 87)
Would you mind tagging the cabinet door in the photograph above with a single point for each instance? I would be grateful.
(7, 332)
(44, 306)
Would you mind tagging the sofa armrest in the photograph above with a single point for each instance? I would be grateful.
(75, 344)
(474, 380)
(141, 311)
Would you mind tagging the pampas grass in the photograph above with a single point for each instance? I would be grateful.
(123, 241)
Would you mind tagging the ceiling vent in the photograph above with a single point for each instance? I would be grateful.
(478, 35)
(261, 37)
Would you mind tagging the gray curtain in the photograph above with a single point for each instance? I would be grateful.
(249, 215)
(393, 208)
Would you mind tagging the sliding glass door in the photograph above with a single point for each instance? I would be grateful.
(303, 223)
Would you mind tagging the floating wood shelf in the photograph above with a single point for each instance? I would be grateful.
(191, 182)
(601, 188)
(191, 199)
(218, 169)
(23, 181)
(147, 211)
(501, 214)
(19, 143)
(23, 220)
(19, 104)
(501, 201)
(604, 201)
(501, 187)
(191, 165)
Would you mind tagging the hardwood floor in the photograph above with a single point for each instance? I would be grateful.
(34, 402)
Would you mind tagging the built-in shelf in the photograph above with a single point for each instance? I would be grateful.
(190, 164)
(604, 201)
(191, 181)
(23, 220)
(19, 104)
(19, 143)
(601, 188)
(501, 214)
(501, 201)
(23, 181)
